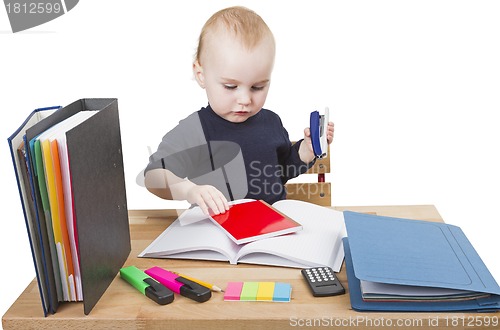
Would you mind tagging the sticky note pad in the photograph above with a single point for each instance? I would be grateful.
(258, 291)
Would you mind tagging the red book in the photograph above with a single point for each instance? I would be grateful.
(254, 220)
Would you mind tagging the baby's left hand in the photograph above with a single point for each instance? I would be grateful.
(306, 152)
(329, 134)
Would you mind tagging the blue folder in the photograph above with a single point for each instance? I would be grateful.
(35, 223)
(416, 253)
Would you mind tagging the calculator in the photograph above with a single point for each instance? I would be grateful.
(322, 281)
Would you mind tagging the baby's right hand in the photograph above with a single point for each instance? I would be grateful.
(208, 197)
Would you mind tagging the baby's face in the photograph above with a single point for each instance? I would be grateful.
(236, 79)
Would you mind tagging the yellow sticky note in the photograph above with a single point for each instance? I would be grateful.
(265, 291)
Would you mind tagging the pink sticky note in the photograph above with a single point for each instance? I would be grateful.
(233, 291)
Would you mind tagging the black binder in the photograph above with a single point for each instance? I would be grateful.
(99, 199)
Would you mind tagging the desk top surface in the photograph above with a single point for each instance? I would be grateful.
(121, 306)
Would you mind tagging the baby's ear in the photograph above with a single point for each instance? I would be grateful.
(198, 74)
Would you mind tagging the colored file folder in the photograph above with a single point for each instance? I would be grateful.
(411, 254)
(37, 232)
(98, 198)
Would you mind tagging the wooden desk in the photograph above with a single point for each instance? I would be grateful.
(125, 308)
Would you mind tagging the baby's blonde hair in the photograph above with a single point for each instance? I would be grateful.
(242, 22)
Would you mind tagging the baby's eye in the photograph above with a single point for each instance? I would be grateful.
(258, 88)
(230, 87)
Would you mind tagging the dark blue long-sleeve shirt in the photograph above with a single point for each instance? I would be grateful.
(252, 159)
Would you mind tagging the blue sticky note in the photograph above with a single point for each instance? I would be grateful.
(282, 292)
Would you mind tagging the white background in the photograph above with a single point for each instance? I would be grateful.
(412, 86)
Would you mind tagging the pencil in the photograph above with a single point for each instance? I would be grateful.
(203, 283)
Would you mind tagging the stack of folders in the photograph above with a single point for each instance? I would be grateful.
(69, 169)
(398, 264)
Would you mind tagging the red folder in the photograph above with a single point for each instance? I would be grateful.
(254, 220)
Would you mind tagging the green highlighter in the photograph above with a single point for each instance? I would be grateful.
(147, 285)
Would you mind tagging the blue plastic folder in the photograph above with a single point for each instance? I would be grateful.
(415, 254)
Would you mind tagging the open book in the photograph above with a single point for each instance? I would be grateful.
(319, 243)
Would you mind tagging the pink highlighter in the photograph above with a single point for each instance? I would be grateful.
(179, 284)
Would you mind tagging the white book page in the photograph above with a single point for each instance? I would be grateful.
(202, 235)
(262, 258)
(319, 243)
